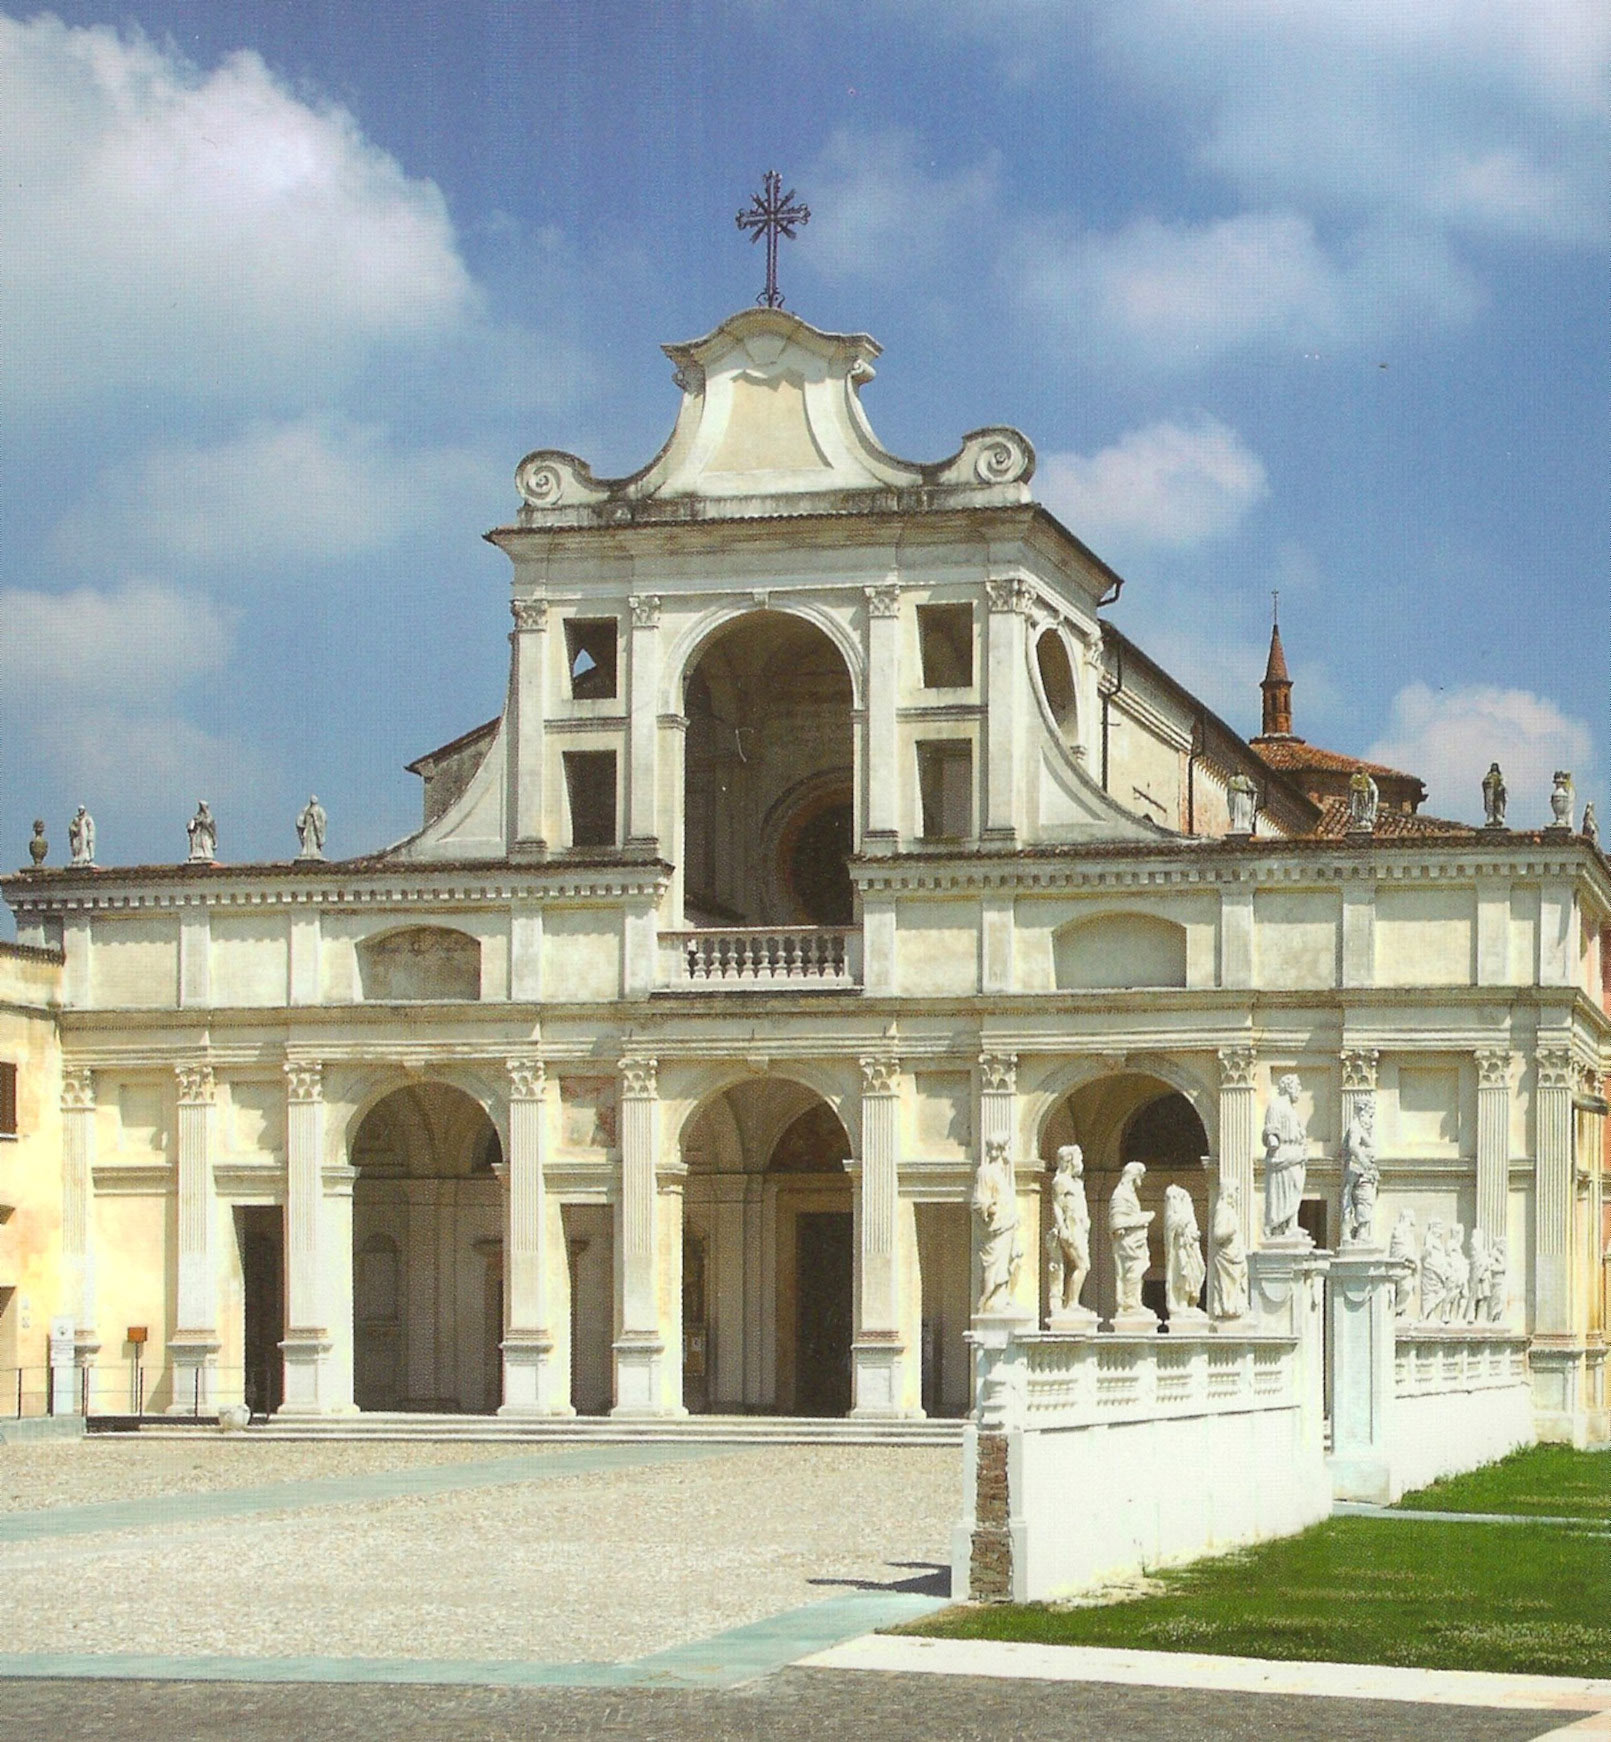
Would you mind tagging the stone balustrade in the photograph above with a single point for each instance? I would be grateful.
(748, 957)
(1077, 1381)
(1429, 1359)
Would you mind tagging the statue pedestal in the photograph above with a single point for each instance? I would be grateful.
(1189, 1321)
(1362, 1381)
(1287, 1283)
(1145, 1323)
(1074, 1321)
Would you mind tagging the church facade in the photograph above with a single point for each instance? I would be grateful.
(829, 842)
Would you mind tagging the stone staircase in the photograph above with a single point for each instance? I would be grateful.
(734, 1430)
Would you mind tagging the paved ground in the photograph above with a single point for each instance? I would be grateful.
(158, 1591)
(823, 1705)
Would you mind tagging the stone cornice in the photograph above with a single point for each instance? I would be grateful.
(1177, 862)
(410, 883)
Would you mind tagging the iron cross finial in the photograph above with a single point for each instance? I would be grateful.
(773, 213)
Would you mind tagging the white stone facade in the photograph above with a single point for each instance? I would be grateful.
(828, 834)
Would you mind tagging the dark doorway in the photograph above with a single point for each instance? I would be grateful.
(824, 1247)
(1312, 1219)
(260, 1230)
(818, 871)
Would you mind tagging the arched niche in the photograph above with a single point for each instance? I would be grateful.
(420, 963)
(1120, 952)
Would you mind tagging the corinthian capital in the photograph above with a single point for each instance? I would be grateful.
(1236, 1067)
(1359, 1067)
(195, 1084)
(304, 1080)
(78, 1089)
(998, 1072)
(526, 1078)
(880, 1076)
(639, 1079)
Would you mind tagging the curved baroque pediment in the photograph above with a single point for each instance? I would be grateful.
(771, 410)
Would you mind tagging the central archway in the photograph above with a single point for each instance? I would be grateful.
(768, 777)
(768, 1254)
(427, 1248)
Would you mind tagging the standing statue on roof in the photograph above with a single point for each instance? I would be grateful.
(203, 833)
(81, 837)
(1493, 797)
(310, 827)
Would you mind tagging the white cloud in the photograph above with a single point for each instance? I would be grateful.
(1170, 295)
(1484, 116)
(881, 212)
(200, 231)
(1449, 737)
(1169, 485)
(314, 490)
(65, 652)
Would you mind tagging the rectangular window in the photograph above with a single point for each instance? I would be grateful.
(8, 1100)
(945, 639)
(945, 783)
(590, 653)
(590, 787)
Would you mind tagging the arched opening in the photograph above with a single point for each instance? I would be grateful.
(768, 778)
(769, 1253)
(427, 1240)
(1057, 685)
(1120, 1119)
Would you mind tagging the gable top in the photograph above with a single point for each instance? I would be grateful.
(771, 422)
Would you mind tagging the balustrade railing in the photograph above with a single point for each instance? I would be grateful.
(749, 956)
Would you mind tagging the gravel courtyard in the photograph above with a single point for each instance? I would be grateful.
(539, 1560)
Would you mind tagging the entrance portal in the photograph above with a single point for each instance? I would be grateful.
(769, 1308)
(824, 1271)
(427, 1236)
(260, 1235)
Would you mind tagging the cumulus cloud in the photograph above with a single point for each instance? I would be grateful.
(128, 646)
(313, 490)
(1490, 117)
(881, 212)
(1162, 295)
(200, 231)
(1449, 737)
(1169, 485)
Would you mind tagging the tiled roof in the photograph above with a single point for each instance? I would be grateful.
(1391, 825)
(1292, 755)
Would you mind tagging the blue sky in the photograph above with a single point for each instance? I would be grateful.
(1298, 295)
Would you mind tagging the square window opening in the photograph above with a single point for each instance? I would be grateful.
(945, 785)
(590, 788)
(590, 644)
(945, 640)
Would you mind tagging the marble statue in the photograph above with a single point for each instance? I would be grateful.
(1228, 1299)
(1286, 1151)
(1459, 1295)
(81, 837)
(38, 847)
(1001, 1252)
(1184, 1269)
(1561, 800)
(1401, 1253)
(1364, 800)
(1127, 1229)
(1361, 1176)
(1434, 1275)
(203, 833)
(1481, 1277)
(1498, 1267)
(310, 827)
(1243, 797)
(1069, 1238)
(1493, 797)
(1591, 825)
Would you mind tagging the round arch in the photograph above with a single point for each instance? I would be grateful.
(825, 1079)
(1043, 1102)
(366, 1093)
(699, 636)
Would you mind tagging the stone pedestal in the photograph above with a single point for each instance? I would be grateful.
(1362, 1378)
(998, 1369)
(308, 1390)
(195, 1376)
(1145, 1323)
(532, 1381)
(1074, 1321)
(640, 1361)
(1287, 1282)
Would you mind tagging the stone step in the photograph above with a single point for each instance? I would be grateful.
(738, 1430)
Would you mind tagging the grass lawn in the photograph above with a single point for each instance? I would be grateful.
(1524, 1598)
(1553, 1480)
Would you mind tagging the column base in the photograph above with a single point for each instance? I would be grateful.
(876, 1377)
(195, 1377)
(532, 1382)
(306, 1357)
(640, 1376)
